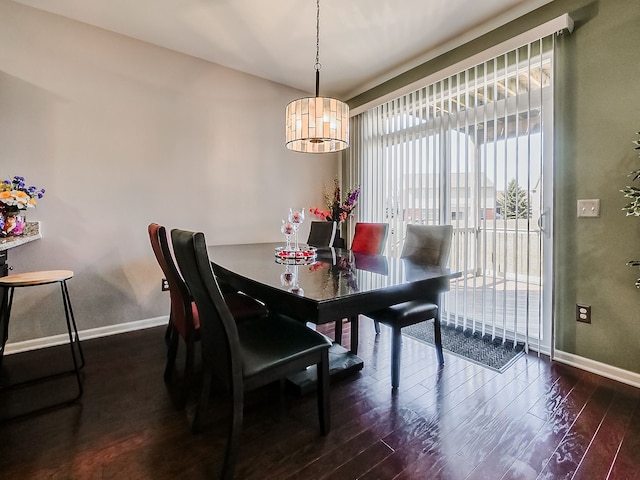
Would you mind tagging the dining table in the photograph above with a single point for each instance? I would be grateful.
(326, 286)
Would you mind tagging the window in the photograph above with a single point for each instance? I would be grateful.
(470, 150)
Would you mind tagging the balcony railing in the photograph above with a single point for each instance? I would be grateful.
(506, 250)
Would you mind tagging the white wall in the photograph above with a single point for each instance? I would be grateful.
(122, 133)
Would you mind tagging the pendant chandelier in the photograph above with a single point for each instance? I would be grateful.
(317, 124)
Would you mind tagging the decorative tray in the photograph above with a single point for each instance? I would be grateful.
(296, 261)
(305, 252)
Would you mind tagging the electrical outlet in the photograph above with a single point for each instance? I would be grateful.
(583, 313)
(165, 285)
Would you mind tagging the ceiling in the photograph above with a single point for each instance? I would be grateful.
(362, 42)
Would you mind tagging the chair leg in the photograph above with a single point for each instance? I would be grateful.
(188, 372)
(437, 338)
(203, 401)
(167, 332)
(171, 354)
(324, 408)
(338, 332)
(234, 434)
(376, 326)
(396, 347)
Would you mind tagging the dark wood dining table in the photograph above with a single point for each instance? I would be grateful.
(336, 284)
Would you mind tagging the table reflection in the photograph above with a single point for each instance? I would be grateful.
(335, 272)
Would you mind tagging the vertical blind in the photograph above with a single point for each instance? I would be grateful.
(468, 150)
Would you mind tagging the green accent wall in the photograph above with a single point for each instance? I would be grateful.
(597, 113)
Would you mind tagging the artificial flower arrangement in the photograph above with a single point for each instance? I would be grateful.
(338, 209)
(13, 193)
(14, 197)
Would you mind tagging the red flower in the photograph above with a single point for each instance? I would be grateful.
(339, 209)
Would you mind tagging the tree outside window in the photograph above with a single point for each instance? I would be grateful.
(514, 203)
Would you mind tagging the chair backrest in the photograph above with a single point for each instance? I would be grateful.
(428, 244)
(322, 234)
(371, 263)
(183, 317)
(370, 237)
(218, 331)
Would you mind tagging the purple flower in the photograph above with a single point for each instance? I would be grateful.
(15, 193)
(353, 196)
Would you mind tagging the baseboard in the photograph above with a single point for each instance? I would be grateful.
(602, 369)
(54, 340)
(608, 371)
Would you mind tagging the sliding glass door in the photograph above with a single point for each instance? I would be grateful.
(473, 150)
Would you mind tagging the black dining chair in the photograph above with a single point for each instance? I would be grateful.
(321, 234)
(423, 245)
(184, 321)
(249, 354)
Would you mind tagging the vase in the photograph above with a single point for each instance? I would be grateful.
(338, 241)
(12, 221)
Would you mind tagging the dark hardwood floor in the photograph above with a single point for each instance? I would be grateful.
(537, 420)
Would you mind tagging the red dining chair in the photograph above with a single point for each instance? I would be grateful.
(184, 321)
(245, 355)
(368, 239)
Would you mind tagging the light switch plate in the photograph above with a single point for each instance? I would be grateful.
(589, 208)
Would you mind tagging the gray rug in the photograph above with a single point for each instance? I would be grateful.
(490, 353)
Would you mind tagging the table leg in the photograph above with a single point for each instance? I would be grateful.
(337, 337)
(342, 363)
(354, 321)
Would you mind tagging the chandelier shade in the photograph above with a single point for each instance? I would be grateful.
(317, 125)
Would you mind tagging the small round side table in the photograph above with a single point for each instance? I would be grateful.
(33, 279)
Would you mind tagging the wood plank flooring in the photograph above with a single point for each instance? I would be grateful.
(537, 420)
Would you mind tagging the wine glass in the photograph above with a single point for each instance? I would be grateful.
(288, 229)
(296, 216)
(287, 278)
(296, 288)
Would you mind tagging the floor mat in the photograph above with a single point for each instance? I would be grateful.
(493, 354)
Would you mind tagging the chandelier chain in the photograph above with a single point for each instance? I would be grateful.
(317, 66)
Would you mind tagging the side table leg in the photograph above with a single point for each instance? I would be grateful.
(5, 308)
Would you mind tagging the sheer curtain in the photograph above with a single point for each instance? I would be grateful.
(469, 150)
